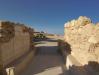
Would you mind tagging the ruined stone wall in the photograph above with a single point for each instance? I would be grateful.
(14, 41)
(83, 37)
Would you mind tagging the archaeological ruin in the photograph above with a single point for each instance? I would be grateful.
(80, 46)
(16, 47)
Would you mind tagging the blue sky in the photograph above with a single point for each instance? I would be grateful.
(48, 15)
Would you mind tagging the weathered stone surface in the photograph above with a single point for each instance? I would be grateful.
(6, 31)
(15, 41)
(83, 37)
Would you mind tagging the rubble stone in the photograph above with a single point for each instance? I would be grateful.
(83, 37)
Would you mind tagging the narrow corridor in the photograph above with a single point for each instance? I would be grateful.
(47, 60)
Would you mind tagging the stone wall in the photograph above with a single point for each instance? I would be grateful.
(15, 41)
(83, 37)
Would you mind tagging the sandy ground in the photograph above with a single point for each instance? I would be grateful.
(47, 60)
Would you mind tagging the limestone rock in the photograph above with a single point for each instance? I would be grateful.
(83, 37)
(81, 21)
(92, 39)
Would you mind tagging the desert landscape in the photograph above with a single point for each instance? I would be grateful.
(75, 53)
(49, 37)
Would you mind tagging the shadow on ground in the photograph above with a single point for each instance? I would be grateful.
(91, 69)
(47, 50)
(47, 58)
(52, 40)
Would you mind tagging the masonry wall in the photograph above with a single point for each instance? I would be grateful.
(16, 47)
(15, 41)
(83, 37)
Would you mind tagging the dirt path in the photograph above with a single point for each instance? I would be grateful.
(47, 60)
